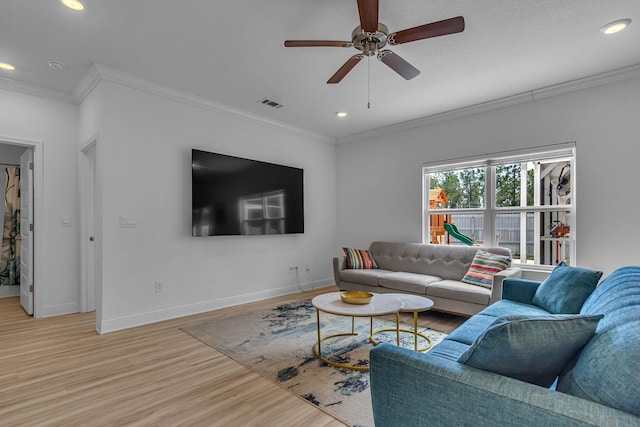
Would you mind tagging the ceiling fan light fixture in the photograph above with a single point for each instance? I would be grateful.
(341, 114)
(73, 4)
(6, 66)
(615, 26)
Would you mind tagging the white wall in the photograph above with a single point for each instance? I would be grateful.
(54, 124)
(144, 151)
(10, 154)
(379, 196)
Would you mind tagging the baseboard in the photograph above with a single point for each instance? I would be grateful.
(117, 324)
(9, 291)
(60, 309)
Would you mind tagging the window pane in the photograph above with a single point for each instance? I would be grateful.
(457, 228)
(463, 188)
(509, 180)
(518, 230)
(555, 183)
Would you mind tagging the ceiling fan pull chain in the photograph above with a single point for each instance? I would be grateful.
(368, 82)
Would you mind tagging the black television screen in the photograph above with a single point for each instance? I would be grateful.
(236, 196)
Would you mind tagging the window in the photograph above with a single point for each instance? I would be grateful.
(523, 200)
(263, 213)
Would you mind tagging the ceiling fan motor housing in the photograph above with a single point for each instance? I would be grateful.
(370, 43)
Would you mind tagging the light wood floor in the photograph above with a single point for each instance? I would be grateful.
(59, 371)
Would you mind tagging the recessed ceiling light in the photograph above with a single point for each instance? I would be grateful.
(6, 66)
(73, 4)
(341, 114)
(616, 26)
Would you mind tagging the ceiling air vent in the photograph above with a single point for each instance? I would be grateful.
(270, 103)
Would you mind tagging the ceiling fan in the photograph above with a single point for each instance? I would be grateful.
(371, 36)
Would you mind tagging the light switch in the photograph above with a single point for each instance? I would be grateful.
(66, 221)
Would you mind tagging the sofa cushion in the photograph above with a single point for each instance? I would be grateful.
(367, 277)
(505, 306)
(446, 261)
(407, 282)
(484, 266)
(471, 329)
(449, 349)
(617, 297)
(359, 258)
(607, 370)
(531, 349)
(566, 289)
(456, 290)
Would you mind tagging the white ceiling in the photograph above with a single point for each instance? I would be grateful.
(232, 52)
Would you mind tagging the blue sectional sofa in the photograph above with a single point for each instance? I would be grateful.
(598, 386)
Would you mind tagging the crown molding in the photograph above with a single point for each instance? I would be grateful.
(98, 72)
(609, 77)
(88, 82)
(30, 89)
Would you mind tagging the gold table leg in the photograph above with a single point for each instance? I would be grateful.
(415, 333)
(317, 349)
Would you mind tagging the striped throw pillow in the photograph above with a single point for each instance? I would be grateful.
(484, 266)
(359, 258)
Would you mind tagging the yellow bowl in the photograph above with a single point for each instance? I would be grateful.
(356, 297)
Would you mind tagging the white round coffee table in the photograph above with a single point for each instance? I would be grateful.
(411, 304)
(380, 305)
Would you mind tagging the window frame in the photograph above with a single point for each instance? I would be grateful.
(558, 152)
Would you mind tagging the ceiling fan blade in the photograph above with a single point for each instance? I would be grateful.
(351, 62)
(398, 64)
(317, 43)
(368, 10)
(434, 29)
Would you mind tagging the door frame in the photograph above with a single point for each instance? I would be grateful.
(38, 215)
(90, 193)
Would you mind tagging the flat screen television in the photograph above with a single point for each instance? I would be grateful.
(236, 196)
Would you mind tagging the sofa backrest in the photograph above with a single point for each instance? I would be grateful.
(445, 261)
(606, 370)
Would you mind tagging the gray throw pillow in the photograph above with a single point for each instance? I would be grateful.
(566, 289)
(533, 349)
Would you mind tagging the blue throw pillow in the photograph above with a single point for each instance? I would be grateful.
(534, 349)
(566, 289)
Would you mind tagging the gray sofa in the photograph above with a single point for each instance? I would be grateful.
(433, 271)
(598, 387)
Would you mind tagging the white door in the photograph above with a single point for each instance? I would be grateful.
(90, 221)
(26, 231)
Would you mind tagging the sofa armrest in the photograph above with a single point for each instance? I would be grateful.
(338, 264)
(498, 278)
(415, 389)
(519, 290)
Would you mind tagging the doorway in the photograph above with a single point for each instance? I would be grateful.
(17, 236)
(90, 230)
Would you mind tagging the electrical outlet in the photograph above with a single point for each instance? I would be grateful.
(158, 287)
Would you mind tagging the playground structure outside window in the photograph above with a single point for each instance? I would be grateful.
(523, 200)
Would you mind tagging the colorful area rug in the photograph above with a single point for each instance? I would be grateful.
(276, 343)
